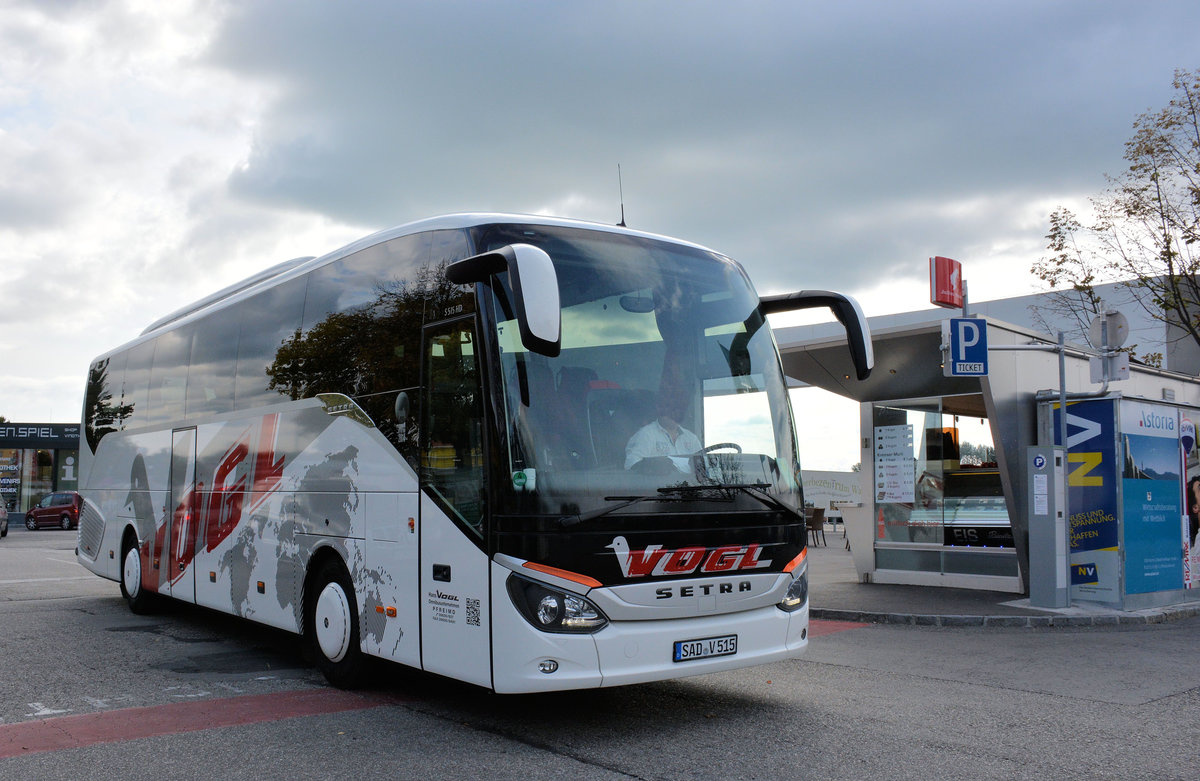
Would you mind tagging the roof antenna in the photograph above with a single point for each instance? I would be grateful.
(621, 189)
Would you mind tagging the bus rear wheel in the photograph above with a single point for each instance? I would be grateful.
(331, 626)
(139, 600)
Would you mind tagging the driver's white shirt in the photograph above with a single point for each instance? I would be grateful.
(652, 440)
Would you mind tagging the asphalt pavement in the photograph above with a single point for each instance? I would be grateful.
(836, 594)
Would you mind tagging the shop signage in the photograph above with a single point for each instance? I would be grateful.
(945, 282)
(978, 535)
(50, 436)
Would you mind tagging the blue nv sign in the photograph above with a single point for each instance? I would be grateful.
(968, 350)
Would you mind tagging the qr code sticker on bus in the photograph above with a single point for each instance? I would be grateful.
(472, 612)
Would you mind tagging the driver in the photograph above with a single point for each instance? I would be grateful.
(662, 436)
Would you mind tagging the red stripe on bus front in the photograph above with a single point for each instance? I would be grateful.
(89, 729)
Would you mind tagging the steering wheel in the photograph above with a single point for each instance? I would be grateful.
(722, 446)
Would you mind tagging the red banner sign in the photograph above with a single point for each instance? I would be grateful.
(945, 282)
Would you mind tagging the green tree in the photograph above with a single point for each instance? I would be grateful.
(1146, 227)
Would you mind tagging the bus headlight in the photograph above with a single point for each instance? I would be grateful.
(797, 594)
(551, 610)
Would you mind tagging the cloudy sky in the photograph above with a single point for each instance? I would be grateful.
(152, 152)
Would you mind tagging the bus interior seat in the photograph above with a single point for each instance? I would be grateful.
(614, 415)
(573, 384)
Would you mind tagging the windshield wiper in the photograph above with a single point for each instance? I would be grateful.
(664, 494)
(756, 490)
(625, 501)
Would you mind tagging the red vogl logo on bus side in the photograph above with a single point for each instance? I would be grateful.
(657, 560)
(249, 471)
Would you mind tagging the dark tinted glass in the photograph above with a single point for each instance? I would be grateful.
(168, 378)
(452, 444)
(214, 364)
(362, 325)
(357, 283)
(269, 321)
(102, 409)
(447, 247)
(136, 388)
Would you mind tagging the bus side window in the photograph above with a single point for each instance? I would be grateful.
(103, 410)
(168, 378)
(214, 364)
(448, 246)
(452, 432)
(135, 389)
(269, 322)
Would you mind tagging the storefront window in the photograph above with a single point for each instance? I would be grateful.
(36, 459)
(39, 477)
(939, 498)
(10, 477)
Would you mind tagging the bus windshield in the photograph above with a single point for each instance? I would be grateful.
(668, 383)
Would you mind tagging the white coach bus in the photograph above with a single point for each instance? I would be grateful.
(522, 452)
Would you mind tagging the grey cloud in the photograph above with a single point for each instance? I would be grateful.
(785, 135)
(822, 144)
(758, 131)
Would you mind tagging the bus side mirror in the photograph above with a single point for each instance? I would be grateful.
(847, 311)
(534, 284)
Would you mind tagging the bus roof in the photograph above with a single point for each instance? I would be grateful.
(297, 266)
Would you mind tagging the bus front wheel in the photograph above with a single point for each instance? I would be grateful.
(331, 624)
(139, 600)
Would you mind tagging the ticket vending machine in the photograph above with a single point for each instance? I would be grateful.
(1049, 577)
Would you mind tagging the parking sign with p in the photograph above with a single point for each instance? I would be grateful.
(966, 338)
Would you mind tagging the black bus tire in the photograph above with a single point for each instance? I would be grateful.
(140, 600)
(331, 625)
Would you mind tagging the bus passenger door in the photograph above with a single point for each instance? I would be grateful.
(455, 609)
(182, 503)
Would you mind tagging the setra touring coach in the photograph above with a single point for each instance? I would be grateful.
(523, 452)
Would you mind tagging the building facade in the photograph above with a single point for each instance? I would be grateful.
(36, 459)
(950, 490)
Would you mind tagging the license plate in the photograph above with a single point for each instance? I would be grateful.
(687, 650)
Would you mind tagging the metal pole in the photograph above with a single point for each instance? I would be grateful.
(1062, 390)
(1062, 433)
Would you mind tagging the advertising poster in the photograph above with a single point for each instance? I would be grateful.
(1092, 475)
(1191, 504)
(1151, 497)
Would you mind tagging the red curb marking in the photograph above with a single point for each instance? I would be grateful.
(818, 627)
(89, 729)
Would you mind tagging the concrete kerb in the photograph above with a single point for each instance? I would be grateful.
(1148, 616)
(835, 585)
